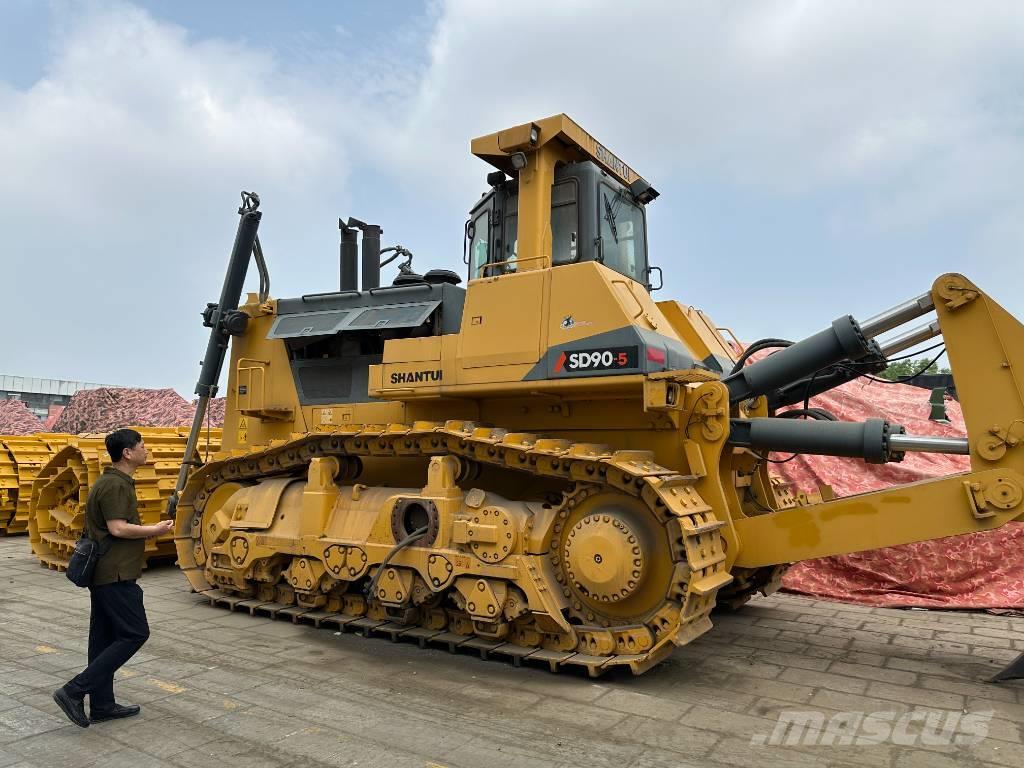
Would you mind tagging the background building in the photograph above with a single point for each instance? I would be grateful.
(42, 396)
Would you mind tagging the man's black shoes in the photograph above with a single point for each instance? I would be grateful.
(115, 712)
(73, 708)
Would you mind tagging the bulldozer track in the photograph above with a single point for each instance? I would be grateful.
(748, 582)
(698, 551)
(60, 487)
(21, 459)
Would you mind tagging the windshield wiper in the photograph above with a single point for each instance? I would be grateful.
(609, 215)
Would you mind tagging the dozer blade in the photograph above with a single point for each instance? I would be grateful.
(1012, 671)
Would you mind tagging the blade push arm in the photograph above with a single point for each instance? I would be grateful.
(985, 346)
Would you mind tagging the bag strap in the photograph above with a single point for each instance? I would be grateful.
(101, 548)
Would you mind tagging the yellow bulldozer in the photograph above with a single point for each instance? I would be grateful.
(548, 464)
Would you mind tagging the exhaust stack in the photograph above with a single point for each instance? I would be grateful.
(349, 257)
(371, 252)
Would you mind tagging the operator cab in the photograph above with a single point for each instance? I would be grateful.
(596, 204)
(593, 218)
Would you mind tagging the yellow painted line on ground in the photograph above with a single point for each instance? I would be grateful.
(229, 704)
(163, 685)
(124, 673)
(46, 649)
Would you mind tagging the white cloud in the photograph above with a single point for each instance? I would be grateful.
(122, 165)
(781, 94)
(133, 105)
(122, 168)
(906, 117)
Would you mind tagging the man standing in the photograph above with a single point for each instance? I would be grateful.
(117, 623)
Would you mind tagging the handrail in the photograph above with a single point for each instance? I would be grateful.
(516, 260)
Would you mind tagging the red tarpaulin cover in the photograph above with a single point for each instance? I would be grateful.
(106, 409)
(51, 419)
(17, 419)
(978, 570)
(214, 411)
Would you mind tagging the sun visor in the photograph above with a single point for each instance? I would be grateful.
(330, 322)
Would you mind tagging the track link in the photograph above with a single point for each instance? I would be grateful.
(748, 582)
(21, 459)
(698, 551)
(60, 487)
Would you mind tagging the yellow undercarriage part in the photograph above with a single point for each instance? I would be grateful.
(595, 558)
(60, 489)
(21, 458)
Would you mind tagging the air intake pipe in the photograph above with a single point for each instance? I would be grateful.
(349, 257)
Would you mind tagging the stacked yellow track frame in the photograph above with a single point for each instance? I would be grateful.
(21, 458)
(62, 486)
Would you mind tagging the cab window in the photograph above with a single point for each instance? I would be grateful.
(479, 243)
(511, 233)
(565, 226)
(623, 247)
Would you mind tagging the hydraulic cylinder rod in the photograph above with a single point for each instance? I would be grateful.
(910, 338)
(898, 315)
(930, 444)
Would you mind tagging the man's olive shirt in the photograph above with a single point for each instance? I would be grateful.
(112, 497)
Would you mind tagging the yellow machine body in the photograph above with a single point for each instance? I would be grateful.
(482, 492)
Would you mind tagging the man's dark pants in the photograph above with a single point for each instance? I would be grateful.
(117, 629)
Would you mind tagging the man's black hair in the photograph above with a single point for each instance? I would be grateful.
(119, 440)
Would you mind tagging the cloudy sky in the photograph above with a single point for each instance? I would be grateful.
(813, 158)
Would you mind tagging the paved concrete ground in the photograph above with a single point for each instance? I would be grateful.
(223, 689)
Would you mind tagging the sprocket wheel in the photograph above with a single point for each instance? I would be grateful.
(613, 557)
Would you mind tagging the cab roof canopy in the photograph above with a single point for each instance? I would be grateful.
(571, 142)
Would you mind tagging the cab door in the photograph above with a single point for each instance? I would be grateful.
(480, 238)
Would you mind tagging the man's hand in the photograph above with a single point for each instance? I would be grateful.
(164, 526)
